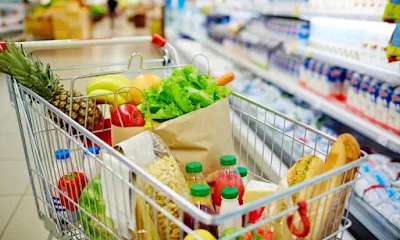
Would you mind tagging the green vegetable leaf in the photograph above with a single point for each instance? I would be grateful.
(199, 97)
(191, 74)
(222, 92)
(181, 98)
(169, 112)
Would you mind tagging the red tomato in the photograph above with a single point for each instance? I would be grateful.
(131, 116)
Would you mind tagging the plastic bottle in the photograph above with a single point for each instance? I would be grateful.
(200, 197)
(243, 174)
(91, 166)
(194, 173)
(229, 202)
(63, 167)
(227, 177)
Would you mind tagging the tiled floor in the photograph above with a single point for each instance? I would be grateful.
(18, 215)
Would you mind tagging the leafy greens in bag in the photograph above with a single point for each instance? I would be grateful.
(186, 90)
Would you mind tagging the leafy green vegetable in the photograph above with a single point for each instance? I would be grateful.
(186, 90)
(92, 201)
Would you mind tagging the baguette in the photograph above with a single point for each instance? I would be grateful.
(329, 209)
(305, 168)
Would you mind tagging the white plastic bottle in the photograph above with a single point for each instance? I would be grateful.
(229, 202)
(63, 167)
(91, 165)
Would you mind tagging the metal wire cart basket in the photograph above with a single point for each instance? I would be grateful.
(44, 129)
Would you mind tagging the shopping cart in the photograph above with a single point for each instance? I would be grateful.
(257, 130)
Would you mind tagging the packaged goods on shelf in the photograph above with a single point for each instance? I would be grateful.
(379, 187)
(288, 63)
(359, 40)
(366, 96)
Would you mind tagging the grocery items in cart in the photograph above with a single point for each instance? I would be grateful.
(201, 198)
(243, 175)
(91, 165)
(344, 150)
(141, 190)
(379, 186)
(256, 190)
(62, 206)
(42, 80)
(194, 174)
(230, 201)
(228, 176)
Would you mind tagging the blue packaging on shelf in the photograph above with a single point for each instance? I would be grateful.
(373, 91)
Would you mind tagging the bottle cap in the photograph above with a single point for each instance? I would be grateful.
(228, 160)
(200, 190)
(93, 149)
(194, 167)
(229, 193)
(242, 171)
(62, 154)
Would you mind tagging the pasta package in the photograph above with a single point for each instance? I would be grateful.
(150, 152)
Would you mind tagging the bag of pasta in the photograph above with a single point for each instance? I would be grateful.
(149, 152)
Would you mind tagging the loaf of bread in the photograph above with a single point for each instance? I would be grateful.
(327, 212)
(305, 168)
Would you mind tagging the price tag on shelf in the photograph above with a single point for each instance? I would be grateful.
(295, 12)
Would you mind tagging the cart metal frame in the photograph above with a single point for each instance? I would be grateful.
(42, 134)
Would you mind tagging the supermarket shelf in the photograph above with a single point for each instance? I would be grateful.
(290, 85)
(388, 75)
(14, 28)
(373, 221)
(303, 12)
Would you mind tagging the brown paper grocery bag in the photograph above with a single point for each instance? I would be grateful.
(200, 136)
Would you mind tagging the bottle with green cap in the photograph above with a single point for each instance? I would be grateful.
(243, 174)
(194, 174)
(228, 176)
(230, 201)
(200, 197)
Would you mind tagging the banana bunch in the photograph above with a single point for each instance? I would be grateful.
(103, 89)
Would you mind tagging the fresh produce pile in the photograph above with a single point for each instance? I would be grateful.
(186, 90)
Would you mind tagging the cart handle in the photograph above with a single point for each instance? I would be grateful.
(78, 43)
(65, 44)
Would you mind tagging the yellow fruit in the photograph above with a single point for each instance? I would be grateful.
(108, 82)
(143, 82)
(204, 234)
(106, 96)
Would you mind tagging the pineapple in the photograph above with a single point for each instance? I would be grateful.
(41, 80)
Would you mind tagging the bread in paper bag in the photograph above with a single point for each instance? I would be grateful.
(330, 208)
(304, 169)
(149, 152)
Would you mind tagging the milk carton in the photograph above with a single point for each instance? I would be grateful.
(335, 81)
(363, 95)
(394, 110)
(373, 91)
(352, 93)
(382, 103)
